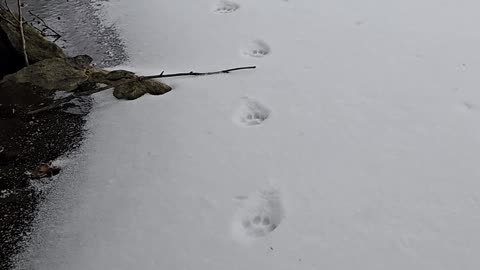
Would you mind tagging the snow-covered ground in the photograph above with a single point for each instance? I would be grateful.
(353, 145)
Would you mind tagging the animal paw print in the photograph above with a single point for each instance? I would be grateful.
(258, 226)
(251, 113)
(260, 215)
(226, 7)
(257, 48)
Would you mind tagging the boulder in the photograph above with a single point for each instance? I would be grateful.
(36, 83)
(55, 74)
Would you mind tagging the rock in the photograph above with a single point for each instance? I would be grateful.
(45, 170)
(50, 70)
(38, 48)
(131, 90)
(56, 74)
(136, 89)
(80, 62)
(116, 75)
(97, 75)
(36, 83)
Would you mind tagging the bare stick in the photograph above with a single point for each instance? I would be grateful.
(191, 73)
(22, 35)
(60, 102)
(8, 21)
(56, 34)
(55, 104)
(7, 7)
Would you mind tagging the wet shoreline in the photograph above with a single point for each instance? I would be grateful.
(30, 140)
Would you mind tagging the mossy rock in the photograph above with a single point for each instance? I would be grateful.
(136, 89)
(116, 75)
(54, 74)
(97, 75)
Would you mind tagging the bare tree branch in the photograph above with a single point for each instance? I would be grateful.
(45, 25)
(7, 8)
(60, 102)
(22, 35)
(192, 73)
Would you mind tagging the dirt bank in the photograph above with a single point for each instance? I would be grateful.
(26, 141)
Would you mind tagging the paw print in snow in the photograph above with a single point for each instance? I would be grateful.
(260, 215)
(226, 7)
(250, 113)
(257, 48)
(258, 226)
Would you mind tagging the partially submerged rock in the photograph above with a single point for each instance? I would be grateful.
(36, 83)
(56, 74)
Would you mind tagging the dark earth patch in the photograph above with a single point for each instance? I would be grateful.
(27, 141)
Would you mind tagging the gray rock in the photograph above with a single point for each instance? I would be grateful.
(55, 74)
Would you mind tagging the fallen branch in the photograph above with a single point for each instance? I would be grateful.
(8, 21)
(60, 102)
(7, 8)
(191, 73)
(56, 35)
(22, 35)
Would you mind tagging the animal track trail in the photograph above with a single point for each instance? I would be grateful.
(261, 214)
(250, 112)
(224, 7)
(257, 48)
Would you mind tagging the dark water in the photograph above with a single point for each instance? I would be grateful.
(53, 134)
(77, 22)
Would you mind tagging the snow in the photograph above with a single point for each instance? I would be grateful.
(353, 145)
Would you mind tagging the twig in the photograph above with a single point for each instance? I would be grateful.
(8, 21)
(22, 35)
(45, 25)
(191, 73)
(7, 7)
(42, 32)
(59, 102)
(55, 104)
